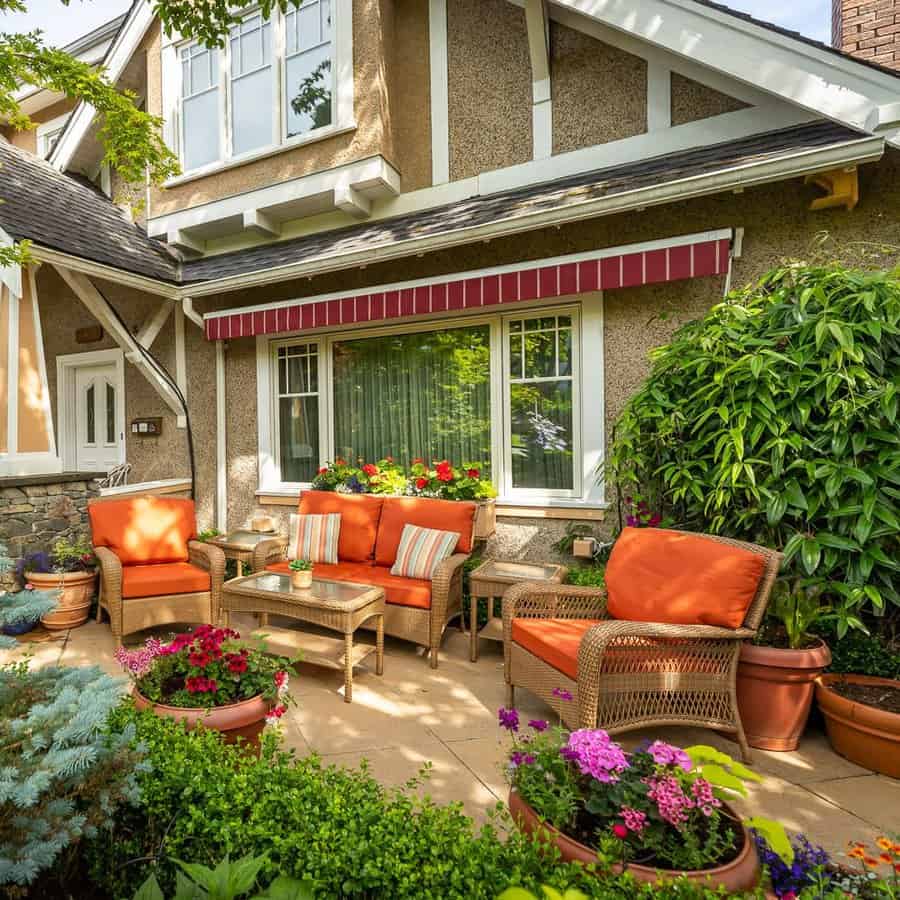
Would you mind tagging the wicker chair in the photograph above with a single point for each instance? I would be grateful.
(635, 674)
(110, 521)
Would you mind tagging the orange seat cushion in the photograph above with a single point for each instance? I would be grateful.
(360, 514)
(658, 575)
(141, 530)
(555, 641)
(443, 515)
(164, 578)
(399, 591)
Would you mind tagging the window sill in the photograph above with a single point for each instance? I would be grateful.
(313, 137)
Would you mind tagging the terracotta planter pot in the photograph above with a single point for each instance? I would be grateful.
(741, 874)
(237, 720)
(76, 589)
(301, 580)
(865, 735)
(774, 692)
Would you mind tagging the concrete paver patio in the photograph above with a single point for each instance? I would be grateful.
(448, 717)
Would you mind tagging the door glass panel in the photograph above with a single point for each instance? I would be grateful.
(91, 415)
(110, 414)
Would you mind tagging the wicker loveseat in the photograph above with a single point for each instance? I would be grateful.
(152, 570)
(659, 646)
(416, 610)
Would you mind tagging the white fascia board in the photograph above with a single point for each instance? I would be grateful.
(833, 86)
(855, 152)
(440, 91)
(120, 52)
(373, 175)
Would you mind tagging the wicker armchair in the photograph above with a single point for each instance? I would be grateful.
(189, 591)
(635, 674)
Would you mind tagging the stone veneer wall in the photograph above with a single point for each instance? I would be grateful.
(33, 516)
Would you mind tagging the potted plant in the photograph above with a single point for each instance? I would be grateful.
(448, 482)
(301, 573)
(21, 610)
(658, 812)
(209, 676)
(69, 568)
(777, 671)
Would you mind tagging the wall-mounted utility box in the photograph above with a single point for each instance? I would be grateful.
(150, 427)
(583, 548)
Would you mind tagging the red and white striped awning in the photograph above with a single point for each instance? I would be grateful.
(671, 259)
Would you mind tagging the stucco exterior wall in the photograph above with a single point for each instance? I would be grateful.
(372, 134)
(599, 92)
(489, 91)
(692, 101)
(27, 140)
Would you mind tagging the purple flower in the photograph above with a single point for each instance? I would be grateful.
(520, 758)
(509, 719)
(595, 754)
(539, 724)
(561, 694)
(666, 755)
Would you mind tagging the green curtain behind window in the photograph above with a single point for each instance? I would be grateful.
(424, 395)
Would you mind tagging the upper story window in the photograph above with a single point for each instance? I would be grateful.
(277, 81)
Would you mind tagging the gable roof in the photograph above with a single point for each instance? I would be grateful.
(63, 213)
(579, 196)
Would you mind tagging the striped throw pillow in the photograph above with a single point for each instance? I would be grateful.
(421, 550)
(315, 537)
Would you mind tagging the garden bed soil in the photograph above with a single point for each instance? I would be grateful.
(883, 697)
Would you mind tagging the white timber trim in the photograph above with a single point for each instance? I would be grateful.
(141, 488)
(120, 52)
(12, 373)
(150, 330)
(538, 24)
(440, 92)
(99, 308)
(745, 174)
(659, 96)
(825, 83)
(221, 442)
(66, 365)
(180, 362)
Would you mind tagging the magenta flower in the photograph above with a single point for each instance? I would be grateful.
(539, 724)
(666, 755)
(670, 799)
(509, 719)
(561, 694)
(634, 819)
(595, 754)
(520, 758)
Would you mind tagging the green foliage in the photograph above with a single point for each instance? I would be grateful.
(63, 773)
(300, 565)
(797, 610)
(861, 654)
(775, 419)
(351, 837)
(574, 531)
(547, 893)
(210, 20)
(19, 608)
(208, 533)
(587, 576)
(227, 881)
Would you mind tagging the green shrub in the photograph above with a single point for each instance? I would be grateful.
(861, 654)
(775, 419)
(588, 576)
(351, 837)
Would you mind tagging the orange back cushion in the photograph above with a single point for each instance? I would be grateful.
(360, 514)
(657, 575)
(443, 515)
(143, 530)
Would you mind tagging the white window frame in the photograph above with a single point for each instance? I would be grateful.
(46, 131)
(219, 87)
(342, 119)
(588, 382)
(231, 78)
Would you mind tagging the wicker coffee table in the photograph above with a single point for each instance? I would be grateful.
(490, 580)
(336, 605)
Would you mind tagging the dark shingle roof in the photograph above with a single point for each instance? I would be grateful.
(66, 214)
(523, 201)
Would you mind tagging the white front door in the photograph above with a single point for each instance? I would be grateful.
(98, 431)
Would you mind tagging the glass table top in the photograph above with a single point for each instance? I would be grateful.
(327, 591)
(243, 537)
(497, 568)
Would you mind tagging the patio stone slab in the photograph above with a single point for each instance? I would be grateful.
(872, 798)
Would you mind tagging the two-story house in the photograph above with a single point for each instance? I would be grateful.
(420, 228)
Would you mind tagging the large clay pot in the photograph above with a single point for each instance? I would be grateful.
(741, 874)
(774, 692)
(237, 720)
(864, 734)
(76, 589)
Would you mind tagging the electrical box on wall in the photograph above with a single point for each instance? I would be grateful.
(150, 427)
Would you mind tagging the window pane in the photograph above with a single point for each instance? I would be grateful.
(110, 414)
(540, 354)
(541, 422)
(419, 395)
(201, 129)
(298, 436)
(565, 351)
(251, 107)
(91, 420)
(308, 90)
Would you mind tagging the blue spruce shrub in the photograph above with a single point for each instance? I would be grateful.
(63, 772)
(20, 610)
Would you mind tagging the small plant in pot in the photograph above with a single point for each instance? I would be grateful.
(210, 676)
(659, 811)
(777, 670)
(21, 610)
(69, 568)
(301, 573)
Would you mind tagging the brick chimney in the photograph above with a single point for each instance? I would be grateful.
(869, 29)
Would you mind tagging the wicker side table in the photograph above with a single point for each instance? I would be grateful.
(239, 545)
(490, 580)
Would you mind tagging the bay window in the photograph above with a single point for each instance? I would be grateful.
(274, 83)
(502, 392)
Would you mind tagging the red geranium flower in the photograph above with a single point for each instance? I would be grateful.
(370, 469)
(620, 831)
(323, 470)
(237, 664)
(421, 483)
(340, 461)
(201, 685)
(199, 659)
(473, 473)
(418, 461)
(444, 474)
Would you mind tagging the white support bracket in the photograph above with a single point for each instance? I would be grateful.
(352, 201)
(538, 23)
(152, 327)
(99, 308)
(259, 223)
(185, 243)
